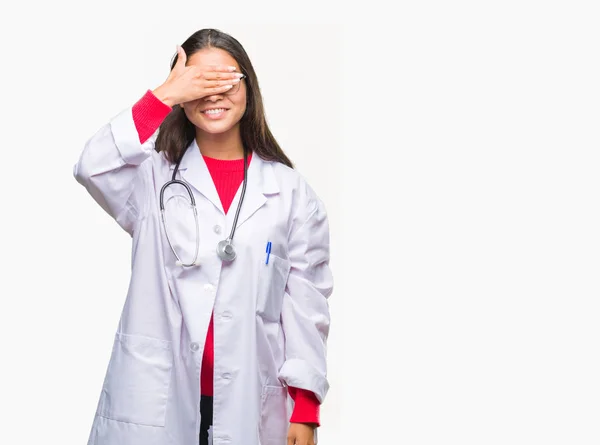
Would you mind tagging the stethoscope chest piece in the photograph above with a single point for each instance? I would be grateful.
(226, 251)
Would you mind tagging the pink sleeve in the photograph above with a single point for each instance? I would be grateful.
(306, 406)
(148, 113)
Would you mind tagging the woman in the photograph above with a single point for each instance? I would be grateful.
(214, 335)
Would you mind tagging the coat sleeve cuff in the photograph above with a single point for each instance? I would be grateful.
(306, 406)
(300, 374)
(148, 113)
(127, 141)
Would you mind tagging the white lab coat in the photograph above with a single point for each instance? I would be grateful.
(271, 322)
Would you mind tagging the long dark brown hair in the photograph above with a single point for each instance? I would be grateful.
(177, 132)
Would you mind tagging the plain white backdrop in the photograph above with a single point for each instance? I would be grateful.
(456, 146)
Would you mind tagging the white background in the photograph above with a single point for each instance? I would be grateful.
(455, 145)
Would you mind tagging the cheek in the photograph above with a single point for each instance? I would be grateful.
(240, 104)
(191, 104)
(190, 108)
(242, 109)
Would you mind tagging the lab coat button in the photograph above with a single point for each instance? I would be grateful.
(226, 376)
(226, 315)
(194, 346)
(209, 287)
(217, 229)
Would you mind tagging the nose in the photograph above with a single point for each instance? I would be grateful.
(213, 97)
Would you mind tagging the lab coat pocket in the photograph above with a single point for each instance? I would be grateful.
(272, 281)
(136, 387)
(273, 423)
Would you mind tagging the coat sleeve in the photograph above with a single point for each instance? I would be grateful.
(114, 167)
(305, 312)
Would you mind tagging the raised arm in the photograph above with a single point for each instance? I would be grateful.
(115, 162)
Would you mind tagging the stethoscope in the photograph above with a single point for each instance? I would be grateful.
(225, 248)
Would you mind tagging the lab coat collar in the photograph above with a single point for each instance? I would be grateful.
(261, 183)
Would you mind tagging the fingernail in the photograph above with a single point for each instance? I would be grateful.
(232, 68)
(239, 74)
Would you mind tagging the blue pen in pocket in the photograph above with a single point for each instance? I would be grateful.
(268, 252)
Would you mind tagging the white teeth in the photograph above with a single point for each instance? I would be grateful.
(215, 111)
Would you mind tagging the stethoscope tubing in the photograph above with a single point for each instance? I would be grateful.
(228, 240)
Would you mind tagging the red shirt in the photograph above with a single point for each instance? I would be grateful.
(148, 113)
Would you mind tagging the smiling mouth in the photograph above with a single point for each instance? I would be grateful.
(214, 111)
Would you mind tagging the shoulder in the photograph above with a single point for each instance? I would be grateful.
(293, 183)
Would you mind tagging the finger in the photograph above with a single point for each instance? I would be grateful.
(208, 75)
(291, 440)
(217, 90)
(181, 58)
(221, 83)
(220, 68)
(218, 72)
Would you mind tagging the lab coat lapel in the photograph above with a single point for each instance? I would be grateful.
(195, 172)
(261, 183)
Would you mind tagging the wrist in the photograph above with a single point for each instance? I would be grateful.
(164, 96)
(312, 425)
(306, 407)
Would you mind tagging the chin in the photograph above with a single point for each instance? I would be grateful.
(215, 127)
